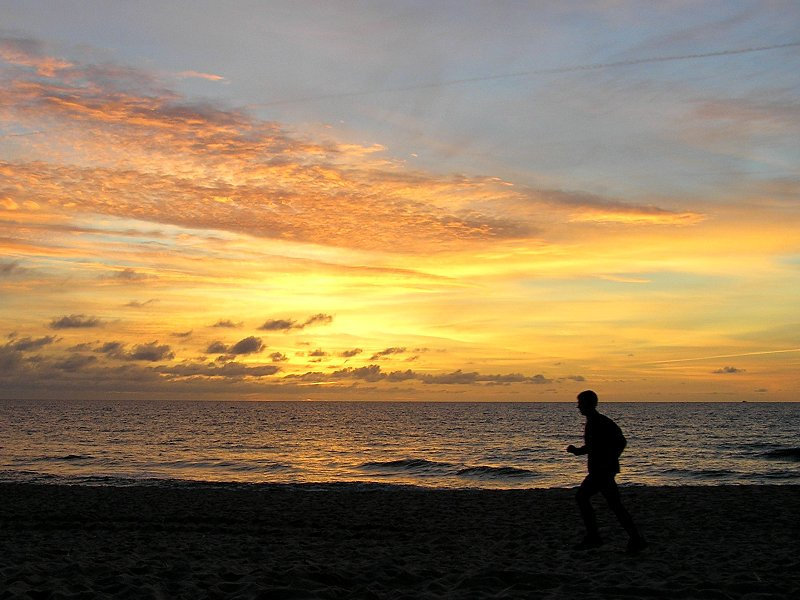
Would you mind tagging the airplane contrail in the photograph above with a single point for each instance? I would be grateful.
(545, 71)
(675, 360)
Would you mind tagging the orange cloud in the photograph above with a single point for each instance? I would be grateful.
(122, 145)
(634, 216)
(30, 53)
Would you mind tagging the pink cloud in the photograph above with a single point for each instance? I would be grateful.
(198, 75)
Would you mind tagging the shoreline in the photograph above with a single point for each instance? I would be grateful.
(279, 541)
(223, 400)
(353, 485)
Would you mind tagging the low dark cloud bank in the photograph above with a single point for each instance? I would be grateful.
(373, 373)
(76, 362)
(229, 369)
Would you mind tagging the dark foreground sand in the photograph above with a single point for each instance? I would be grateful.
(148, 542)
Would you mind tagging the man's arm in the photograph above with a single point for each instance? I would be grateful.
(577, 451)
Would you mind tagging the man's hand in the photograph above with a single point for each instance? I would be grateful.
(572, 449)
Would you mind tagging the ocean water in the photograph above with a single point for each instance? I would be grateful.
(445, 445)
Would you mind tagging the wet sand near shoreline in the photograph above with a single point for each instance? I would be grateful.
(278, 542)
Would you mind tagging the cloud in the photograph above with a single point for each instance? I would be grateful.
(370, 373)
(9, 268)
(289, 324)
(461, 377)
(12, 353)
(318, 319)
(66, 376)
(248, 345)
(76, 362)
(10, 359)
(82, 347)
(728, 371)
(75, 322)
(124, 145)
(228, 369)
(278, 357)
(279, 325)
(217, 347)
(31, 53)
(199, 75)
(387, 352)
(351, 353)
(138, 304)
(126, 275)
(26, 344)
(318, 353)
(114, 349)
(227, 323)
(182, 334)
(373, 373)
(152, 351)
(584, 207)
(245, 175)
(456, 377)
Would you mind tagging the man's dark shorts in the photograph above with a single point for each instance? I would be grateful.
(602, 482)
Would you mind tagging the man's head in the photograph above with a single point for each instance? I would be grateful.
(587, 402)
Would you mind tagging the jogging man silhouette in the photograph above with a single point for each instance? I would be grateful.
(603, 442)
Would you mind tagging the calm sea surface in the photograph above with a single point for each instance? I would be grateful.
(440, 445)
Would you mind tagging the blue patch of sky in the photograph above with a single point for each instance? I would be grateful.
(792, 260)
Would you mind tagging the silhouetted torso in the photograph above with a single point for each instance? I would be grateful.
(604, 443)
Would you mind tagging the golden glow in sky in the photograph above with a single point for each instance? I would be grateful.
(172, 225)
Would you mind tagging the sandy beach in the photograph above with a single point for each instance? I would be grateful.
(289, 542)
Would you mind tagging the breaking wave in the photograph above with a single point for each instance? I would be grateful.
(783, 454)
(413, 465)
(422, 467)
(484, 471)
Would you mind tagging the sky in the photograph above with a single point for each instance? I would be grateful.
(434, 201)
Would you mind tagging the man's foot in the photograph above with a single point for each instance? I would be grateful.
(636, 545)
(588, 543)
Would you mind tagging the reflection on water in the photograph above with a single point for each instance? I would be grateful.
(443, 445)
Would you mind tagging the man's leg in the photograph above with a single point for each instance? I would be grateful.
(588, 489)
(611, 493)
(636, 543)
